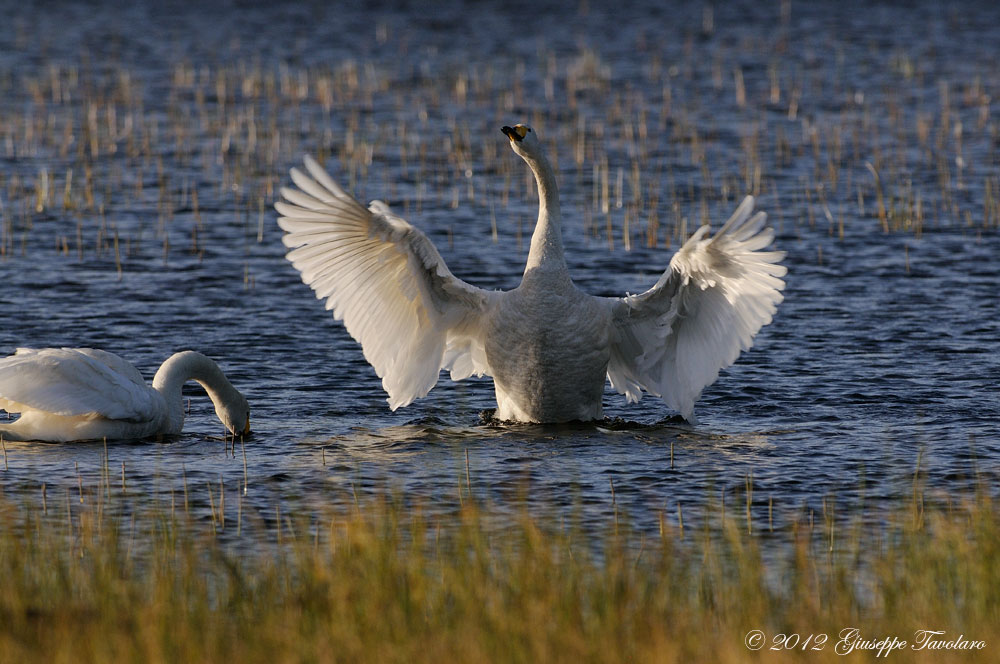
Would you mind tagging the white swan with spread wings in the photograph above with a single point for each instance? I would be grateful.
(548, 346)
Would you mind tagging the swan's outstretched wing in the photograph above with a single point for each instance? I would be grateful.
(707, 307)
(75, 382)
(387, 282)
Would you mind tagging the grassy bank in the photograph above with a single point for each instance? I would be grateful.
(118, 581)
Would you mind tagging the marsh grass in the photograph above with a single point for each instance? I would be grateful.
(643, 160)
(120, 579)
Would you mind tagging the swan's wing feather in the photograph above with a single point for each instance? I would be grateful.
(718, 292)
(120, 366)
(387, 282)
(75, 382)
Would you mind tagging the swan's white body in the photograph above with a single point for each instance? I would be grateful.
(71, 394)
(548, 346)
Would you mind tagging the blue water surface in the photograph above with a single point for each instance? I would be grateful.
(880, 367)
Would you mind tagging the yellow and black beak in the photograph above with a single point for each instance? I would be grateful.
(515, 133)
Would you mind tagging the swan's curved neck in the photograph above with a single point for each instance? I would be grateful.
(546, 242)
(179, 369)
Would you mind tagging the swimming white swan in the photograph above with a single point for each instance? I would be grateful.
(69, 394)
(547, 345)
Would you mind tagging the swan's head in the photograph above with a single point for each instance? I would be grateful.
(523, 140)
(235, 414)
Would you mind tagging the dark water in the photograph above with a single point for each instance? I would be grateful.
(884, 351)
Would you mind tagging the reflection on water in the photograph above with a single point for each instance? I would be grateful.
(138, 175)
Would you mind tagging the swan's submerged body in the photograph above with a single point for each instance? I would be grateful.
(76, 394)
(548, 346)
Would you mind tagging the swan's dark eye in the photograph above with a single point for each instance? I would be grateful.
(529, 128)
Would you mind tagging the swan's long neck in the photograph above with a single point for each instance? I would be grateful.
(546, 242)
(179, 369)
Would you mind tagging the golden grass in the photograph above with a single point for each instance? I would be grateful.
(122, 581)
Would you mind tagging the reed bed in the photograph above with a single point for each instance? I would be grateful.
(119, 578)
(128, 161)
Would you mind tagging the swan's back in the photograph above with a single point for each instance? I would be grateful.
(123, 368)
(547, 346)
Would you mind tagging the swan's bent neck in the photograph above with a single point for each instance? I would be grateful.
(546, 241)
(179, 369)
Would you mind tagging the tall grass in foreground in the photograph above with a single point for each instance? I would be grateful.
(380, 582)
